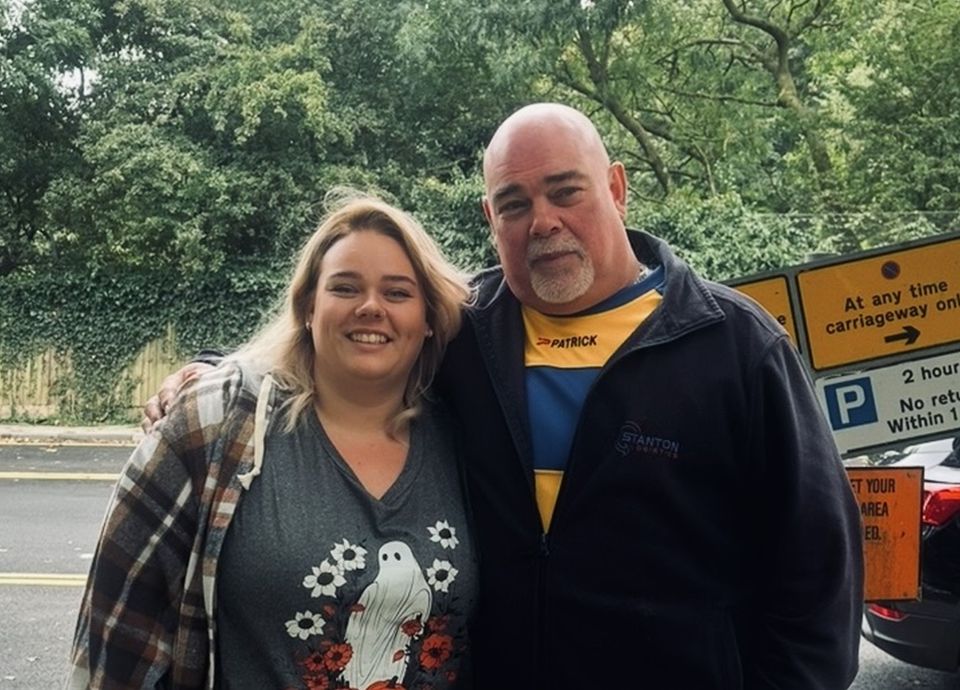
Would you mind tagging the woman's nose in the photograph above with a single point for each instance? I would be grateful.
(370, 307)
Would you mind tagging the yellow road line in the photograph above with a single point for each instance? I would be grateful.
(62, 476)
(43, 579)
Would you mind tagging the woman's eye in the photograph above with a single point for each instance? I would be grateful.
(342, 289)
(398, 294)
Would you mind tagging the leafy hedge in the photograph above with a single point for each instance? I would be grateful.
(102, 321)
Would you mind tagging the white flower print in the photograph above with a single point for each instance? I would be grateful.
(305, 624)
(445, 534)
(349, 556)
(324, 580)
(441, 574)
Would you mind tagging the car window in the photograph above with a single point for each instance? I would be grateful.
(953, 459)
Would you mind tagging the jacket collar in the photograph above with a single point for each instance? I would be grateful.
(688, 302)
(498, 325)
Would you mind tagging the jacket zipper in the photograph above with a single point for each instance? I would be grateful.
(613, 361)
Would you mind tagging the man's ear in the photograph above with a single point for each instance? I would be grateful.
(617, 183)
(488, 214)
(487, 211)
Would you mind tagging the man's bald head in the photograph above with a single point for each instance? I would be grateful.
(547, 120)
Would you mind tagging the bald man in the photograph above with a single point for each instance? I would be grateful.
(658, 500)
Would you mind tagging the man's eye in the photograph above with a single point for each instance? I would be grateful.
(566, 193)
(515, 206)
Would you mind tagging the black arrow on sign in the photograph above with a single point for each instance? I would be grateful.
(909, 336)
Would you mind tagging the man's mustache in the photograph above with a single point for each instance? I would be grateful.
(539, 248)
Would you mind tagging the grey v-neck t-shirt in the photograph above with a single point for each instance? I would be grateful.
(320, 585)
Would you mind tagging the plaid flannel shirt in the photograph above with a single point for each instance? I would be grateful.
(147, 616)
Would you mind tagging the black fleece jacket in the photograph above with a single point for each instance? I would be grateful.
(705, 535)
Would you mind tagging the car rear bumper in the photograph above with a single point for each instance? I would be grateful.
(928, 636)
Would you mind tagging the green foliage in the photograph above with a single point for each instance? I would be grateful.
(903, 86)
(452, 211)
(37, 130)
(723, 239)
(203, 144)
(100, 322)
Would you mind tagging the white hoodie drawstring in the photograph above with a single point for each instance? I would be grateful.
(259, 432)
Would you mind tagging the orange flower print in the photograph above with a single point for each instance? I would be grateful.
(337, 657)
(314, 662)
(318, 682)
(411, 628)
(436, 650)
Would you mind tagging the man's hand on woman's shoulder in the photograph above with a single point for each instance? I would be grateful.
(158, 405)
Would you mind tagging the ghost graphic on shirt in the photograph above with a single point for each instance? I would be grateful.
(398, 594)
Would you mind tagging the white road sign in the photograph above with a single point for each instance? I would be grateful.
(893, 403)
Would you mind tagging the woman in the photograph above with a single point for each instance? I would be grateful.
(297, 521)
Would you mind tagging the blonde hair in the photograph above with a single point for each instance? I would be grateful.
(284, 346)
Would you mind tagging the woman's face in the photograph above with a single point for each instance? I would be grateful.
(368, 319)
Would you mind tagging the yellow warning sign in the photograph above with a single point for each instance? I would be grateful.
(882, 305)
(773, 295)
(890, 502)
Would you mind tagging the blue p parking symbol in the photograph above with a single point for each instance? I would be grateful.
(850, 403)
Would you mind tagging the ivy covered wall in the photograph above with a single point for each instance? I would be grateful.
(100, 322)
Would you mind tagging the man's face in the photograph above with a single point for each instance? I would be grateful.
(556, 207)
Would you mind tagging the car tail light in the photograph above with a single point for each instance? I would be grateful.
(939, 507)
(885, 612)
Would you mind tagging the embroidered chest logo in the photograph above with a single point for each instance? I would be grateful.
(631, 439)
(571, 341)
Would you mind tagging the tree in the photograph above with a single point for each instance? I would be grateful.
(202, 142)
(37, 126)
(900, 80)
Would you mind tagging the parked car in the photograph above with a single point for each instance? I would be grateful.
(926, 455)
(927, 632)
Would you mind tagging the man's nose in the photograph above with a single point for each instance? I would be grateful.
(544, 221)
